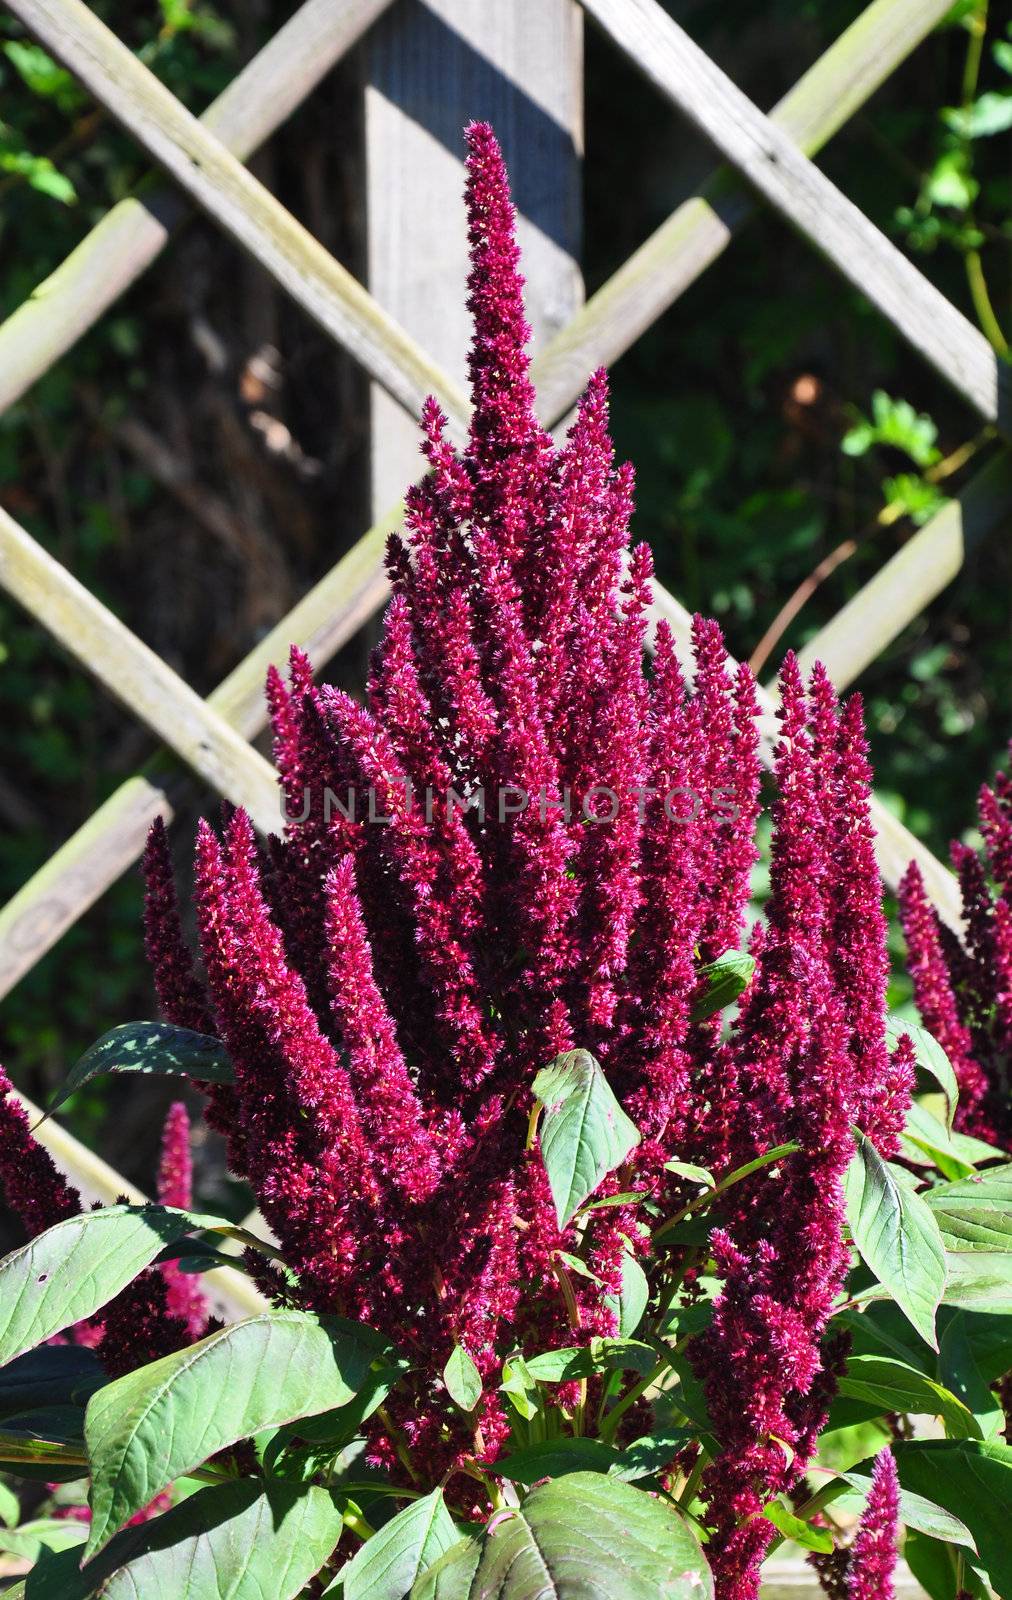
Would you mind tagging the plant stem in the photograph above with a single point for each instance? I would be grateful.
(707, 1198)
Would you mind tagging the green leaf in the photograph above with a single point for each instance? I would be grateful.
(726, 978)
(387, 1565)
(553, 1458)
(237, 1541)
(462, 1379)
(519, 1385)
(932, 1564)
(894, 1386)
(930, 1057)
(10, 1507)
(651, 1453)
(585, 1134)
(582, 1537)
(990, 113)
(685, 1169)
(149, 1047)
(42, 1533)
(582, 1361)
(158, 1423)
(972, 1479)
(918, 1511)
(957, 1365)
(627, 1199)
(73, 1269)
(897, 1236)
(924, 1136)
(632, 1302)
(54, 1375)
(796, 1528)
(450, 1577)
(975, 1214)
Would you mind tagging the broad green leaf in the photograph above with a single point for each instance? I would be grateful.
(330, 1431)
(685, 1169)
(976, 1213)
(585, 1134)
(149, 1047)
(978, 1280)
(42, 1533)
(632, 1302)
(73, 1269)
(158, 1423)
(925, 1141)
(796, 1528)
(581, 1361)
(931, 1563)
(462, 1379)
(897, 1236)
(586, 1537)
(893, 1386)
(450, 1577)
(553, 1458)
(10, 1507)
(237, 1541)
(651, 1454)
(972, 1479)
(957, 1365)
(54, 1375)
(916, 1510)
(387, 1565)
(930, 1057)
(519, 1384)
(726, 978)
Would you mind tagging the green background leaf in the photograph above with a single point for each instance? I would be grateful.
(585, 1134)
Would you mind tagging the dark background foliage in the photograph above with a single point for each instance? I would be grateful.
(199, 458)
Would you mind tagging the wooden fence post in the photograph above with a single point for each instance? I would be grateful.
(431, 68)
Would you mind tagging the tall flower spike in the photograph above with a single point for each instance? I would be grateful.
(185, 1298)
(874, 1552)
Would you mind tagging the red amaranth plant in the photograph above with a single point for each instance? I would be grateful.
(539, 1207)
(963, 985)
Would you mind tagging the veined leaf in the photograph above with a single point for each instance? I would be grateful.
(585, 1134)
(581, 1537)
(976, 1213)
(449, 1578)
(686, 1169)
(726, 978)
(553, 1458)
(926, 1141)
(930, 1057)
(149, 1047)
(42, 1533)
(387, 1565)
(237, 1541)
(895, 1386)
(158, 1423)
(462, 1379)
(897, 1236)
(916, 1510)
(959, 1370)
(796, 1528)
(630, 1304)
(581, 1361)
(73, 1269)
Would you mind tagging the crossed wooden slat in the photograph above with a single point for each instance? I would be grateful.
(204, 158)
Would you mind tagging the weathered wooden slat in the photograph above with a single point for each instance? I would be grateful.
(230, 1289)
(911, 579)
(129, 238)
(430, 68)
(696, 233)
(135, 674)
(770, 160)
(235, 200)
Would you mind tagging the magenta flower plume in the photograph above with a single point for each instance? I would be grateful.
(526, 840)
(32, 1185)
(873, 1554)
(185, 1298)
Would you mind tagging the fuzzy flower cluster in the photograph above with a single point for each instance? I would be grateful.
(963, 986)
(388, 989)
